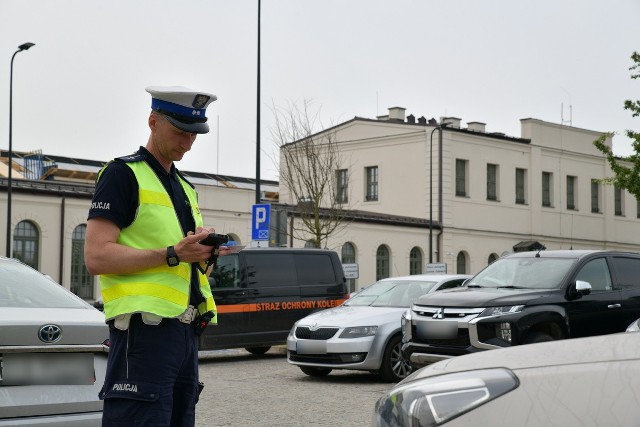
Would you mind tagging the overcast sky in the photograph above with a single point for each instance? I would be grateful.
(80, 91)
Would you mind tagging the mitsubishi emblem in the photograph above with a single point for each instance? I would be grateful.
(439, 314)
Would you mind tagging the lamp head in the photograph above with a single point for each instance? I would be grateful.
(25, 46)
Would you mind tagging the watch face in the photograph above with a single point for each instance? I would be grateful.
(172, 261)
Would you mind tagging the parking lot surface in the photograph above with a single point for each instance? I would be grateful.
(246, 390)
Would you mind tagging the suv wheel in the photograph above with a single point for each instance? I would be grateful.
(315, 372)
(257, 350)
(394, 366)
(535, 337)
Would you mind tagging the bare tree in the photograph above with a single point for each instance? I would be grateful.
(309, 164)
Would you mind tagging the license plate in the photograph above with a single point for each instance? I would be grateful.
(311, 347)
(47, 369)
(440, 330)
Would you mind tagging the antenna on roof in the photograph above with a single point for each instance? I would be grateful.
(562, 120)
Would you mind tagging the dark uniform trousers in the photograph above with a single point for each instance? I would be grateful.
(153, 375)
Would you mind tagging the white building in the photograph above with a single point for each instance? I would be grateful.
(487, 194)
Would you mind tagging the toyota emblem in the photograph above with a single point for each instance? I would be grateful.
(50, 333)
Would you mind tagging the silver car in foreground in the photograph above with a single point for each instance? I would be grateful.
(575, 382)
(364, 332)
(53, 352)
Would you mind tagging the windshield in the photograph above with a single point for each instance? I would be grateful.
(391, 293)
(22, 286)
(525, 273)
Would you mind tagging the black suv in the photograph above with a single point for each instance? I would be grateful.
(525, 298)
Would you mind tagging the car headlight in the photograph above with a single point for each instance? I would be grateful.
(498, 311)
(405, 326)
(359, 332)
(433, 401)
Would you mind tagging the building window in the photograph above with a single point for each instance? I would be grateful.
(372, 183)
(349, 257)
(342, 186)
(637, 208)
(619, 201)
(547, 182)
(415, 261)
(521, 179)
(461, 177)
(492, 257)
(81, 280)
(461, 263)
(382, 262)
(310, 244)
(26, 240)
(595, 196)
(492, 182)
(571, 192)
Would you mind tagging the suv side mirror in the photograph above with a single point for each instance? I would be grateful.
(578, 289)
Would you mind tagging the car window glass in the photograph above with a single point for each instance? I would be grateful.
(451, 284)
(626, 269)
(315, 269)
(22, 286)
(596, 272)
(391, 293)
(529, 273)
(270, 269)
(225, 274)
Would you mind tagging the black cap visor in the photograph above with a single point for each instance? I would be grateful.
(189, 127)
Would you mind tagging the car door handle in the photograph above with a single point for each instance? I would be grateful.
(614, 306)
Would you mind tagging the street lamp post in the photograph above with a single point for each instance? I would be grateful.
(22, 47)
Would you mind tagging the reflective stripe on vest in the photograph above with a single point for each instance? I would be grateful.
(161, 290)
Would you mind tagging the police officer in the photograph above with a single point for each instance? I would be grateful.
(143, 234)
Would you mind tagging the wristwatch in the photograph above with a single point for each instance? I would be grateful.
(172, 257)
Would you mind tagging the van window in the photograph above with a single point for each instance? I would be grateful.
(225, 274)
(261, 271)
(315, 269)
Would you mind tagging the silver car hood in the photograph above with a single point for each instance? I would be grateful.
(603, 348)
(343, 316)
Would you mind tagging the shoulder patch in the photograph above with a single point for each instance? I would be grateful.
(135, 157)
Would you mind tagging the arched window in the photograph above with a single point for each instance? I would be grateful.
(461, 263)
(382, 262)
(26, 241)
(81, 280)
(415, 261)
(492, 258)
(348, 256)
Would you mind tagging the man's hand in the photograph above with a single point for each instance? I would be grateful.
(189, 249)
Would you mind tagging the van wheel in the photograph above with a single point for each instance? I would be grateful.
(315, 372)
(535, 337)
(394, 366)
(257, 350)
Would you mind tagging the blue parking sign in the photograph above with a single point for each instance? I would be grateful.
(260, 222)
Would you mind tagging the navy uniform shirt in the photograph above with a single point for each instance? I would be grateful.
(116, 199)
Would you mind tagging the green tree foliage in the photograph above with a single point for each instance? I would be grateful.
(626, 170)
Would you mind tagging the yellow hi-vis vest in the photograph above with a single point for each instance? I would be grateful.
(161, 290)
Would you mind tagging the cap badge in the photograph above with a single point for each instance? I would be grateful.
(200, 101)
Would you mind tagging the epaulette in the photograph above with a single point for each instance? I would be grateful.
(184, 179)
(135, 157)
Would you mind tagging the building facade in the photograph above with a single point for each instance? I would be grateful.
(417, 195)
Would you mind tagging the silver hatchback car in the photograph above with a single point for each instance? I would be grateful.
(364, 332)
(53, 352)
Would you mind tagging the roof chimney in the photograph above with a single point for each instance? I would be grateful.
(396, 114)
(422, 120)
(411, 118)
(476, 126)
(453, 122)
